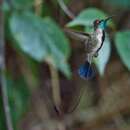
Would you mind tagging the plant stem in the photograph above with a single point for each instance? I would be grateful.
(38, 6)
(2, 72)
(55, 87)
(54, 74)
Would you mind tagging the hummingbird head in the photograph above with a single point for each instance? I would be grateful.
(101, 23)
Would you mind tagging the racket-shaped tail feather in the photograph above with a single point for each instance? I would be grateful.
(86, 71)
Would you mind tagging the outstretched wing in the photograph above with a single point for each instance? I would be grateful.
(81, 36)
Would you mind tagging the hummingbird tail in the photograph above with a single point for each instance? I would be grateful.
(86, 71)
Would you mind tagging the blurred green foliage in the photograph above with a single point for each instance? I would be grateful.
(18, 98)
(122, 42)
(43, 40)
(118, 3)
(22, 4)
(18, 95)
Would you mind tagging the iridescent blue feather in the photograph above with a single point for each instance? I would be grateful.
(86, 71)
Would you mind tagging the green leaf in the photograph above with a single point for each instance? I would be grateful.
(118, 3)
(87, 16)
(5, 6)
(57, 41)
(42, 39)
(23, 4)
(122, 42)
(26, 32)
(103, 57)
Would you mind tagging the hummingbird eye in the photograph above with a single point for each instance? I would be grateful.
(97, 21)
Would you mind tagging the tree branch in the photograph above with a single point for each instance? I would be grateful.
(65, 9)
(55, 88)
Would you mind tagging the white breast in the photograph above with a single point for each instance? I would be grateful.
(95, 42)
(99, 35)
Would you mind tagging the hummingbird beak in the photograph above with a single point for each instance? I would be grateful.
(103, 23)
(109, 18)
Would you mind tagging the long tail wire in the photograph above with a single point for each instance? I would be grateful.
(72, 109)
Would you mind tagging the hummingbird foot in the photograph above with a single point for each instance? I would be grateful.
(96, 54)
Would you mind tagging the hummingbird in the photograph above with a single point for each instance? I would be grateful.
(93, 43)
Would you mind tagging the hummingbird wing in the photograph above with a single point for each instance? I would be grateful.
(86, 71)
(81, 36)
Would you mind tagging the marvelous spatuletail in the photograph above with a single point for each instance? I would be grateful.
(93, 43)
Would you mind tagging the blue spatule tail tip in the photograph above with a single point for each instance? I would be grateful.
(86, 71)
